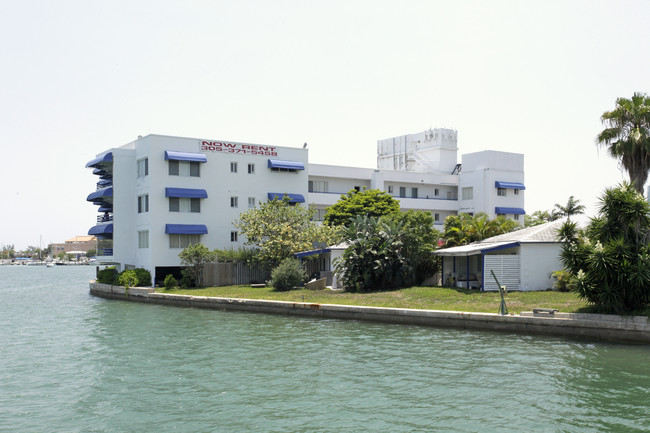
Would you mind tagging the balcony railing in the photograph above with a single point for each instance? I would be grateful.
(453, 198)
(105, 252)
(104, 218)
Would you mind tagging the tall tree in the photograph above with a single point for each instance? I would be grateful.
(573, 207)
(627, 136)
(279, 230)
(372, 203)
(611, 258)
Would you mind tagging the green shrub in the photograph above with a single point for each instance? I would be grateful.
(244, 255)
(287, 275)
(186, 281)
(144, 277)
(108, 276)
(564, 281)
(128, 279)
(170, 282)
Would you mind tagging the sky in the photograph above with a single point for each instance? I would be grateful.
(81, 76)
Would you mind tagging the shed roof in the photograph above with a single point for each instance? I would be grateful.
(543, 233)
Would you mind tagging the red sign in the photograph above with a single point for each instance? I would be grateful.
(238, 148)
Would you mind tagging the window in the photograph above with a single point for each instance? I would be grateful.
(468, 193)
(233, 236)
(286, 169)
(390, 189)
(318, 214)
(143, 167)
(184, 204)
(318, 186)
(183, 241)
(234, 201)
(516, 215)
(414, 192)
(143, 203)
(402, 191)
(436, 217)
(233, 167)
(184, 168)
(357, 188)
(436, 192)
(251, 202)
(143, 239)
(251, 168)
(173, 168)
(516, 192)
(501, 192)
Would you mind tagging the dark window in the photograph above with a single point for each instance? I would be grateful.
(143, 203)
(174, 204)
(195, 168)
(195, 205)
(173, 168)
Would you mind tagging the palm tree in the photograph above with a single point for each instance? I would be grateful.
(463, 229)
(573, 207)
(627, 136)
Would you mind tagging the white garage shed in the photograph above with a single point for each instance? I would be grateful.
(521, 260)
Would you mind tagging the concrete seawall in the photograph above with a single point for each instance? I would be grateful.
(634, 329)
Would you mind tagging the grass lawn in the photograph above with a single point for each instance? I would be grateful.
(428, 298)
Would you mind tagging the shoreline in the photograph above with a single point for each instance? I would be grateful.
(621, 329)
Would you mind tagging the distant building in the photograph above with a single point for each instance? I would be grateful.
(159, 194)
(75, 244)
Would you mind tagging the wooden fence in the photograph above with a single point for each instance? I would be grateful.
(228, 274)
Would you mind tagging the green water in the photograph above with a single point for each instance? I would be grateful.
(70, 362)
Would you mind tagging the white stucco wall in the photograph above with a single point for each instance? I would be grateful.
(537, 261)
(480, 172)
(215, 177)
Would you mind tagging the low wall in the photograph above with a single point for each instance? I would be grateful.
(600, 327)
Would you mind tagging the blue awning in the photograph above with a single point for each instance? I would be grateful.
(186, 192)
(509, 185)
(107, 157)
(105, 182)
(289, 165)
(293, 198)
(312, 253)
(101, 229)
(100, 193)
(509, 210)
(105, 209)
(186, 229)
(185, 156)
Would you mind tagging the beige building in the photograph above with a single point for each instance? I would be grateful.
(75, 245)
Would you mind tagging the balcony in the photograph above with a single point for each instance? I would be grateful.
(104, 251)
(104, 218)
(428, 203)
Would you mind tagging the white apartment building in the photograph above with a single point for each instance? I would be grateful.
(158, 194)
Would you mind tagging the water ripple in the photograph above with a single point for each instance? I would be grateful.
(71, 362)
